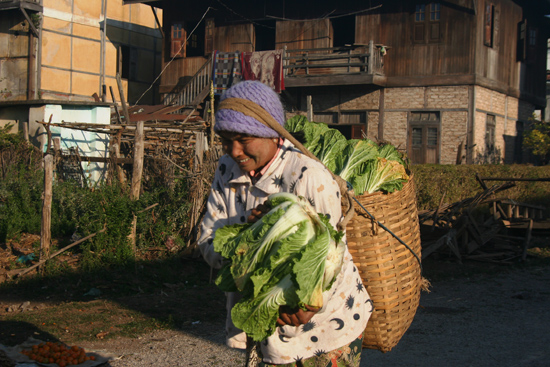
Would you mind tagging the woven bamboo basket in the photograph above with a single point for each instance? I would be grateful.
(390, 271)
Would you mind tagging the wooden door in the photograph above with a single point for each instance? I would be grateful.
(424, 138)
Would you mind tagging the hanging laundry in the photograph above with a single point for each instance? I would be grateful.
(265, 66)
(227, 70)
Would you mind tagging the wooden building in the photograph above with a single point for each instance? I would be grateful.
(448, 82)
(59, 61)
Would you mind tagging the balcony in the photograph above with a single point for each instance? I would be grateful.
(32, 5)
(353, 64)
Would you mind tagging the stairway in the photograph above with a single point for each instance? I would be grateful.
(193, 93)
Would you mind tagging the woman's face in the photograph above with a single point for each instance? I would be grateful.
(251, 153)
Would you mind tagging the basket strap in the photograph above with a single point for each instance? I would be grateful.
(255, 111)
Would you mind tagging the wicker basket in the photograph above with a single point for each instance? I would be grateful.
(390, 272)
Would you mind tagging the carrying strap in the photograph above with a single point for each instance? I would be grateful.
(255, 111)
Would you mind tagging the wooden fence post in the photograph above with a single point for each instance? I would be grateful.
(45, 235)
(309, 108)
(137, 173)
(212, 115)
(371, 58)
(137, 170)
(26, 131)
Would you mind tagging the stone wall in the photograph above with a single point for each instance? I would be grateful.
(452, 103)
(511, 115)
(454, 126)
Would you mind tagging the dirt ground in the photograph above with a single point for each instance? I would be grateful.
(480, 321)
(475, 315)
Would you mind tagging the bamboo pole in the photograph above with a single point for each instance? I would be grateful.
(45, 232)
(59, 252)
(26, 131)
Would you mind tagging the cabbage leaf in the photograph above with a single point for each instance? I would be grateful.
(279, 260)
(367, 166)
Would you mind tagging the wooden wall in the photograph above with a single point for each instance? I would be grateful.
(405, 58)
(499, 63)
(460, 56)
(239, 37)
(179, 71)
(304, 34)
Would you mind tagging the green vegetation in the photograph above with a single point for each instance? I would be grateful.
(537, 139)
(288, 257)
(81, 211)
(367, 166)
(459, 182)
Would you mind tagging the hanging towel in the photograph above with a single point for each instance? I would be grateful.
(227, 70)
(265, 66)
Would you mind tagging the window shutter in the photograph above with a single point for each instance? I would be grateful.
(434, 32)
(177, 40)
(488, 26)
(522, 41)
(419, 30)
(209, 37)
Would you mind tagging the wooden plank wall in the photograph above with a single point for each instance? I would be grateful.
(461, 52)
(499, 63)
(304, 34)
(406, 58)
(179, 68)
(239, 37)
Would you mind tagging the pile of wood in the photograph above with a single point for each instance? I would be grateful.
(464, 230)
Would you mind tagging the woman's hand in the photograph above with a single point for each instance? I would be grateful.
(295, 317)
(257, 213)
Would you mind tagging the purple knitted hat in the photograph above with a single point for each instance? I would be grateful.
(259, 93)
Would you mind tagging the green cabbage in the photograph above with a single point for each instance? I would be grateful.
(361, 162)
(289, 257)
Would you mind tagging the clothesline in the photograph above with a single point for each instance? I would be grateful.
(230, 68)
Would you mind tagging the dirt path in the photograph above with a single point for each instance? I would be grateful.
(501, 320)
(497, 320)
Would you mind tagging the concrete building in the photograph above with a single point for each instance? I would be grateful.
(59, 61)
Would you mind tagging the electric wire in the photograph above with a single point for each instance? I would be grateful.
(173, 57)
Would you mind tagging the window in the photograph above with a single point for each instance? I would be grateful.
(489, 25)
(435, 12)
(427, 19)
(424, 137)
(209, 36)
(528, 37)
(127, 62)
(490, 133)
(177, 40)
(420, 13)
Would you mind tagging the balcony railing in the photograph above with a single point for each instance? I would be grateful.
(188, 94)
(365, 59)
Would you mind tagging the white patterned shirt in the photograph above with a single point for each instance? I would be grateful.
(346, 305)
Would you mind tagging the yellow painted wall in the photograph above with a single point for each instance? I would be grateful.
(87, 8)
(75, 62)
(86, 55)
(56, 80)
(56, 50)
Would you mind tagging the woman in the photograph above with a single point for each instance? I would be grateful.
(258, 162)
